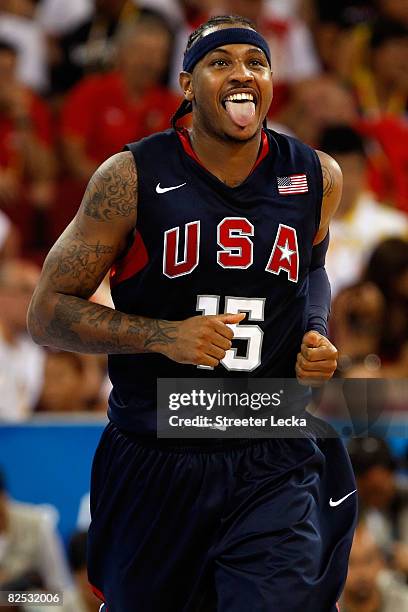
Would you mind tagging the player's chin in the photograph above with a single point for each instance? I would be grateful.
(242, 134)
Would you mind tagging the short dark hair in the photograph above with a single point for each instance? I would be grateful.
(186, 106)
(366, 453)
(77, 548)
(5, 45)
(386, 30)
(338, 139)
(387, 262)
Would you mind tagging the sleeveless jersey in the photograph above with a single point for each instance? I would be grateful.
(202, 247)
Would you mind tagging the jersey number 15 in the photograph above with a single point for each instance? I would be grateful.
(253, 334)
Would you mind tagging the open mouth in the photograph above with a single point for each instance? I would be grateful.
(240, 107)
(239, 98)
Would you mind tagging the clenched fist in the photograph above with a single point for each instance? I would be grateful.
(317, 360)
(202, 340)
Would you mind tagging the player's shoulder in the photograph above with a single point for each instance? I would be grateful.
(287, 144)
(295, 148)
(331, 171)
(292, 155)
(121, 163)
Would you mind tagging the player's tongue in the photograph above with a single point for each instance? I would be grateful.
(241, 113)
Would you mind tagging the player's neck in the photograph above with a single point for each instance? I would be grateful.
(229, 161)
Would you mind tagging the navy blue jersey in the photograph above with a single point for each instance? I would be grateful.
(202, 247)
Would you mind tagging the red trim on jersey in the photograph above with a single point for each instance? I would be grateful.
(135, 260)
(98, 593)
(184, 136)
(264, 150)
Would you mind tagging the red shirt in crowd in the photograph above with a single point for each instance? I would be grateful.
(388, 172)
(40, 119)
(100, 113)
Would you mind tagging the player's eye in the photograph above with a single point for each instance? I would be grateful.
(256, 62)
(219, 62)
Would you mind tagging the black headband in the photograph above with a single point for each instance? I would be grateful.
(224, 36)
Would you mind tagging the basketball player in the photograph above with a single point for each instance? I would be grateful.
(207, 525)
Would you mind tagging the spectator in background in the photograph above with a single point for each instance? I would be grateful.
(375, 66)
(381, 82)
(31, 552)
(105, 112)
(360, 222)
(85, 599)
(388, 270)
(19, 29)
(356, 321)
(383, 498)
(343, 30)
(396, 10)
(63, 384)
(21, 361)
(370, 586)
(89, 47)
(72, 383)
(388, 157)
(27, 162)
(371, 317)
(57, 17)
(9, 239)
(314, 105)
(79, 597)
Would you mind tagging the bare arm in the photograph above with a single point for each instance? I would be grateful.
(332, 188)
(60, 314)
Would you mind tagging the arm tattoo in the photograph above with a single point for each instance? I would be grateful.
(76, 262)
(328, 181)
(112, 191)
(60, 314)
(117, 332)
(154, 330)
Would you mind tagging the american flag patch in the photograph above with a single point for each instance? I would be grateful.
(290, 185)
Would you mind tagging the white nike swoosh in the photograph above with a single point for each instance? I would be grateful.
(164, 189)
(340, 501)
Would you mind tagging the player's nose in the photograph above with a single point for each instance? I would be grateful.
(241, 72)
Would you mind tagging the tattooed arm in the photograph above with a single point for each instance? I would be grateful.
(332, 187)
(60, 314)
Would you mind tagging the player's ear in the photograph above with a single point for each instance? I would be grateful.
(186, 84)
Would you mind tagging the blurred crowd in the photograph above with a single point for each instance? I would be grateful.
(377, 579)
(79, 79)
(32, 556)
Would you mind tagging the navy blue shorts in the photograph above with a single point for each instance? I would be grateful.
(241, 526)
